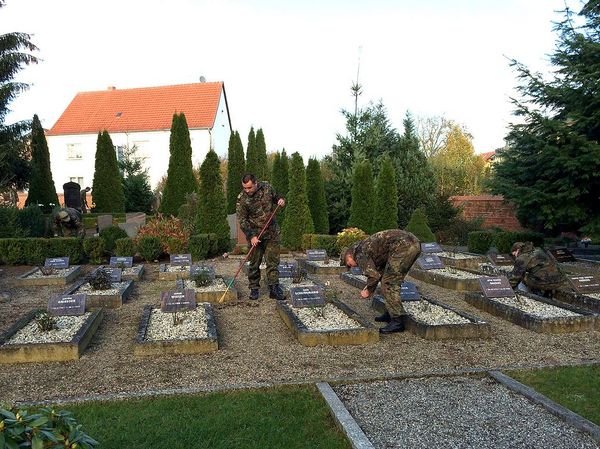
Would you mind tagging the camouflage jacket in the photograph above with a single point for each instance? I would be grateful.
(75, 222)
(537, 270)
(372, 253)
(253, 211)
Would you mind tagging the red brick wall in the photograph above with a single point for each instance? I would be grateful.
(493, 209)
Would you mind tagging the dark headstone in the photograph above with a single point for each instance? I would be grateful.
(429, 262)
(286, 269)
(316, 254)
(201, 268)
(356, 271)
(178, 300)
(501, 259)
(114, 273)
(123, 261)
(431, 247)
(181, 259)
(67, 305)
(57, 262)
(585, 284)
(313, 296)
(562, 255)
(409, 292)
(72, 192)
(496, 287)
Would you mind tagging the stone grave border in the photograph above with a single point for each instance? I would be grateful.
(558, 325)
(334, 268)
(164, 275)
(136, 276)
(73, 273)
(315, 281)
(109, 301)
(215, 295)
(351, 279)
(366, 334)
(209, 343)
(461, 285)
(48, 352)
(575, 269)
(578, 299)
(471, 263)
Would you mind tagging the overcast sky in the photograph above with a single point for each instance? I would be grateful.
(288, 65)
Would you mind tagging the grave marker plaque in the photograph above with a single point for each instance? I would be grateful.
(429, 262)
(501, 259)
(197, 269)
(356, 271)
(114, 273)
(121, 261)
(312, 296)
(178, 300)
(72, 195)
(431, 247)
(585, 284)
(562, 255)
(286, 269)
(62, 305)
(409, 292)
(57, 262)
(496, 287)
(181, 259)
(315, 255)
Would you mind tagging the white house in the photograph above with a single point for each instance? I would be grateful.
(140, 117)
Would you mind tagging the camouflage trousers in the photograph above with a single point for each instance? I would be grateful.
(400, 260)
(269, 250)
(68, 231)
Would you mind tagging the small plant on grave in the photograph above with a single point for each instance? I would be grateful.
(298, 275)
(202, 279)
(178, 319)
(45, 322)
(326, 260)
(424, 306)
(47, 271)
(99, 280)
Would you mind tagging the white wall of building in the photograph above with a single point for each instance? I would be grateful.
(221, 130)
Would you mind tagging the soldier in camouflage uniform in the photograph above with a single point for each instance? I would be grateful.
(535, 269)
(255, 204)
(68, 219)
(385, 256)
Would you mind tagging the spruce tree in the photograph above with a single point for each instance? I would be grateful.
(212, 207)
(298, 220)
(252, 155)
(107, 190)
(261, 156)
(279, 179)
(180, 175)
(41, 186)
(235, 170)
(386, 197)
(363, 197)
(315, 192)
(419, 227)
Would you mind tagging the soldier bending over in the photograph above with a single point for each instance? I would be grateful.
(68, 219)
(538, 272)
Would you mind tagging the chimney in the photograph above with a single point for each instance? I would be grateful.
(111, 88)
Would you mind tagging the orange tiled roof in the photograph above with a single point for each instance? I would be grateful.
(487, 156)
(141, 109)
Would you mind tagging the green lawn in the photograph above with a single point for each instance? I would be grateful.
(286, 417)
(575, 387)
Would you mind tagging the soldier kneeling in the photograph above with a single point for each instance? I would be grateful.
(535, 271)
(68, 220)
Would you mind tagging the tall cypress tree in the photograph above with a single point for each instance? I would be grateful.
(315, 191)
(386, 197)
(279, 179)
(41, 186)
(298, 220)
(261, 156)
(180, 176)
(107, 190)
(212, 208)
(251, 154)
(235, 170)
(363, 197)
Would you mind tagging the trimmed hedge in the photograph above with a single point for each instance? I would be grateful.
(480, 241)
(203, 246)
(110, 235)
(125, 247)
(34, 251)
(149, 248)
(94, 249)
(321, 241)
(503, 241)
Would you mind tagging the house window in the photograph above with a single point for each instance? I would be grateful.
(77, 179)
(120, 149)
(74, 151)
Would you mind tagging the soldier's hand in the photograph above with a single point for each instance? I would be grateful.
(364, 294)
(281, 202)
(254, 241)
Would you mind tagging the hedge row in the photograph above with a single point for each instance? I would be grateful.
(481, 241)
(321, 241)
(34, 251)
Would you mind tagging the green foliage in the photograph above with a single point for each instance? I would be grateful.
(321, 241)
(261, 156)
(125, 247)
(202, 246)
(236, 166)
(188, 211)
(8, 222)
(363, 197)
(149, 247)
(385, 214)
(212, 209)
(169, 231)
(315, 192)
(94, 249)
(31, 222)
(110, 235)
(136, 185)
(180, 176)
(349, 236)
(480, 241)
(419, 227)
(107, 189)
(503, 241)
(177, 245)
(41, 185)
(441, 214)
(33, 251)
(252, 154)
(457, 232)
(280, 179)
(298, 220)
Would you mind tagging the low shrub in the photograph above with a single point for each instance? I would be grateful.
(125, 247)
(8, 222)
(419, 227)
(176, 245)
(347, 237)
(167, 230)
(321, 241)
(110, 235)
(504, 240)
(480, 241)
(457, 232)
(94, 249)
(199, 246)
(34, 251)
(31, 222)
(149, 248)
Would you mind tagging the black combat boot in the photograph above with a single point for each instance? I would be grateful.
(254, 294)
(385, 318)
(275, 292)
(395, 325)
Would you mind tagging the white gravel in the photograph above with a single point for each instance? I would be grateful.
(320, 263)
(217, 285)
(500, 269)
(455, 412)
(66, 328)
(59, 273)
(459, 256)
(533, 307)
(131, 270)
(176, 268)
(286, 284)
(593, 295)
(432, 314)
(454, 273)
(86, 288)
(161, 326)
(332, 319)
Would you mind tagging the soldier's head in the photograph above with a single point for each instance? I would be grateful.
(517, 248)
(63, 216)
(249, 184)
(347, 256)
(87, 189)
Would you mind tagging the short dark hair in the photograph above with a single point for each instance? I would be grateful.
(249, 177)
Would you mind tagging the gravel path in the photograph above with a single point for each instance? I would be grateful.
(255, 346)
(454, 412)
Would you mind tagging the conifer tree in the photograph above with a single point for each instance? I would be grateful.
(298, 220)
(419, 227)
(279, 179)
(212, 207)
(107, 190)
(41, 186)
(315, 191)
(261, 156)
(251, 154)
(235, 170)
(386, 197)
(363, 197)
(180, 175)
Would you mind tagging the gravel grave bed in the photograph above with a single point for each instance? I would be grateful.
(177, 268)
(321, 263)
(455, 412)
(332, 318)
(286, 284)
(59, 273)
(131, 270)
(593, 295)
(89, 290)
(432, 314)
(456, 255)
(454, 273)
(505, 269)
(533, 307)
(66, 328)
(161, 325)
(582, 264)
(216, 285)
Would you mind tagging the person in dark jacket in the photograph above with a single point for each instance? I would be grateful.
(68, 220)
(535, 269)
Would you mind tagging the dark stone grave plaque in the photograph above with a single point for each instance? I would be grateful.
(178, 300)
(356, 271)
(501, 259)
(57, 262)
(312, 296)
(72, 195)
(124, 261)
(409, 292)
(429, 262)
(114, 273)
(431, 247)
(315, 255)
(585, 284)
(67, 305)
(562, 255)
(496, 287)
(286, 269)
(181, 259)
(201, 268)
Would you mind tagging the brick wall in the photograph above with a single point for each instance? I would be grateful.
(494, 210)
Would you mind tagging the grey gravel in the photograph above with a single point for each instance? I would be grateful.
(533, 307)
(454, 273)
(432, 314)
(58, 273)
(193, 325)
(325, 318)
(65, 330)
(456, 412)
